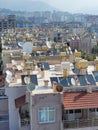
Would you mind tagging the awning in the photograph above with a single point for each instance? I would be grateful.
(20, 101)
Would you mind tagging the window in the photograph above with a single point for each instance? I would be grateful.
(66, 111)
(92, 109)
(46, 115)
(78, 111)
(70, 111)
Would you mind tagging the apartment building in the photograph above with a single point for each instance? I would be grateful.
(36, 103)
(7, 22)
(4, 121)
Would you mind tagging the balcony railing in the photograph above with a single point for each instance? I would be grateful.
(80, 123)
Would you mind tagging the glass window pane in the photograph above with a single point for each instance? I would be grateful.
(41, 117)
(46, 115)
(51, 116)
(70, 111)
(51, 108)
(78, 111)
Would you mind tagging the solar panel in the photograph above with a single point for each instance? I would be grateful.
(33, 79)
(37, 54)
(54, 79)
(40, 65)
(61, 50)
(54, 52)
(69, 80)
(75, 71)
(90, 79)
(95, 75)
(63, 81)
(46, 66)
(47, 53)
(82, 80)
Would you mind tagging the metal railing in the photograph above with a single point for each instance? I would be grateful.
(80, 123)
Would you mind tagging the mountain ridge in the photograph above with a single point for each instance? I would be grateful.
(26, 5)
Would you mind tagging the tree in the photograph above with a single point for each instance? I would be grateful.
(95, 49)
(55, 39)
(89, 58)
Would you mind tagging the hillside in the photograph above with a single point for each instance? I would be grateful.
(26, 5)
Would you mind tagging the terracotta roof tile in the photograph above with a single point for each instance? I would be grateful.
(77, 100)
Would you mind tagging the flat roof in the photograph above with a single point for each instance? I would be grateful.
(51, 73)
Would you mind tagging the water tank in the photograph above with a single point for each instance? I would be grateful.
(81, 64)
(77, 54)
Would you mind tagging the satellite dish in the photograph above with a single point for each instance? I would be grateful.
(78, 38)
(71, 66)
(28, 47)
(30, 87)
(69, 48)
(67, 52)
(9, 73)
(48, 43)
(8, 79)
(70, 52)
(73, 38)
(76, 50)
(73, 81)
(20, 44)
(27, 79)
(66, 49)
(11, 54)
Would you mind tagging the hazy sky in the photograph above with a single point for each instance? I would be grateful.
(75, 5)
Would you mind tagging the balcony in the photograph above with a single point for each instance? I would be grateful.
(80, 123)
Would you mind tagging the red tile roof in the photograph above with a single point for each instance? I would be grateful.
(77, 100)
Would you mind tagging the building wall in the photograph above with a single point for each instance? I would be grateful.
(46, 100)
(8, 22)
(4, 106)
(4, 125)
(86, 128)
(13, 93)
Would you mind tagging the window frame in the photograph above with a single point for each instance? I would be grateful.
(46, 111)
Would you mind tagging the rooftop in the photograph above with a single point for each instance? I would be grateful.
(42, 80)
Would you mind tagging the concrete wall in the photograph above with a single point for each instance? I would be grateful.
(4, 125)
(25, 128)
(46, 100)
(86, 128)
(14, 118)
(4, 106)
